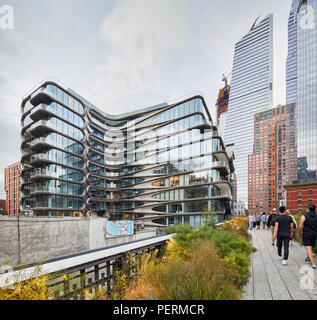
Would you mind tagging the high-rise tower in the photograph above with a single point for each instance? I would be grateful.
(305, 17)
(250, 92)
(291, 63)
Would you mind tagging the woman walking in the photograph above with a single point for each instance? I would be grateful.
(308, 226)
(263, 220)
(250, 221)
(258, 221)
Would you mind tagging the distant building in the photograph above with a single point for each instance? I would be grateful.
(301, 83)
(291, 62)
(273, 162)
(300, 196)
(250, 92)
(12, 184)
(239, 208)
(2, 205)
(222, 102)
(222, 106)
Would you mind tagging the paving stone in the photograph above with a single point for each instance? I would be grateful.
(270, 280)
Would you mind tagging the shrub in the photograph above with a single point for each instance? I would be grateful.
(237, 226)
(199, 263)
(203, 276)
(33, 289)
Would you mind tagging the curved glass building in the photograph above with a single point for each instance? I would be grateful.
(165, 164)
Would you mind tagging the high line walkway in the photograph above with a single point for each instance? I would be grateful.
(270, 280)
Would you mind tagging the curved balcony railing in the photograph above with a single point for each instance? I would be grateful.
(52, 190)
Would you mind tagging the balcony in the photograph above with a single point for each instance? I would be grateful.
(39, 157)
(39, 112)
(43, 173)
(38, 143)
(40, 127)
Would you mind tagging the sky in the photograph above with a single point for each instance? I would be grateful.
(122, 55)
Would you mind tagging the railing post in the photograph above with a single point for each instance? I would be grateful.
(108, 278)
(82, 283)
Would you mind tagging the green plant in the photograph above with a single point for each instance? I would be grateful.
(200, 276)
(199, 263)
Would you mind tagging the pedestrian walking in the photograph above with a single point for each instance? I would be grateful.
(295, 225)
(263, 220)
(283, 232)
(254, 220)
(257, 221)
(308, 227)
(271, 223)
(250, 222)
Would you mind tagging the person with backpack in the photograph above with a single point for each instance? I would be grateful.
(283, 232)
(263, 220)
(308, 227)
(271, 223)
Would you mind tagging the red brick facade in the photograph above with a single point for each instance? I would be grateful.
(12, 183)
(3, 205)
(273, 162)
(298, 197)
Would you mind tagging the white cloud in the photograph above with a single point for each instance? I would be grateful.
(143, 39)
(125, 54)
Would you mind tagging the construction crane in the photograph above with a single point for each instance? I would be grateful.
(225, 79)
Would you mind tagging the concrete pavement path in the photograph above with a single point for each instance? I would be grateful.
(270, 280)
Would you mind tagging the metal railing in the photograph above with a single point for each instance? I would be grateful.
(87, 270)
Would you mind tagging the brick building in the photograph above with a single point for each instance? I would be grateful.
(2, 205)
(274, 160)
(12, 183)
(300, 196)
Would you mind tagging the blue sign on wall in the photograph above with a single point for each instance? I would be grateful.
(119, 228)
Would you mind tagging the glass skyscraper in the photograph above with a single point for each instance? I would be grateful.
(251, 91)
(291, 63)
(162, 165)
(301, 86)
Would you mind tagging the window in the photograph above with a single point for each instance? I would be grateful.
(299, 193)
(299, 202)
(310, 192)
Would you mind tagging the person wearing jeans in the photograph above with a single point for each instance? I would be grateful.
(271, 223)
(283, 231)
(250, 222)
(263, 220)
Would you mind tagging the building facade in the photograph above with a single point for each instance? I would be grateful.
(250, 92)
(301, 85)
(161, 165)
(222, 102)
(2, 205)
(291, 62)
(273, 162)
(12, 184)
(222, 107)
(239, 208)
(300, 196)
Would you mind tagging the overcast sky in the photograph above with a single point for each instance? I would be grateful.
(126, 54)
